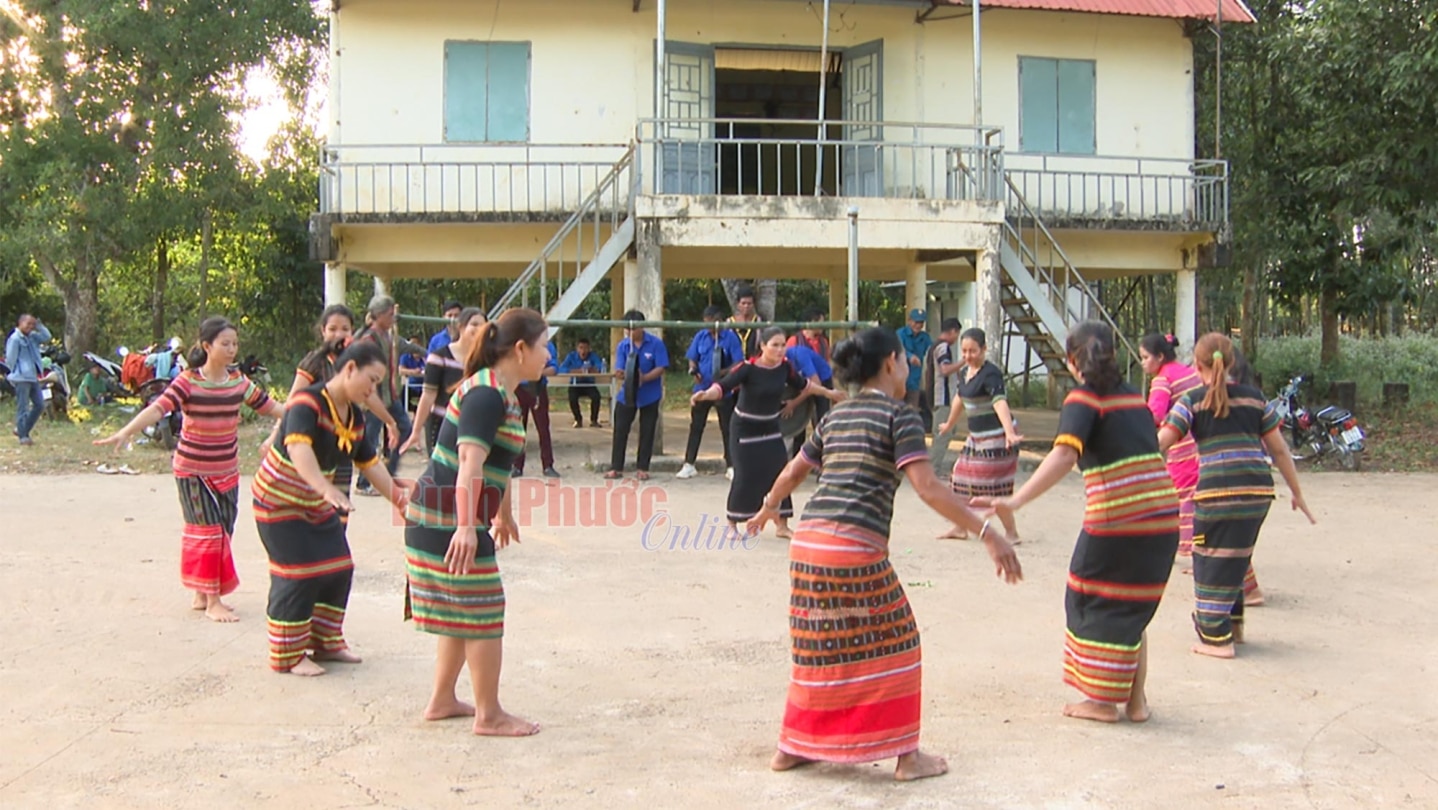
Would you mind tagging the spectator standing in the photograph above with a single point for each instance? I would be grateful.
(639, 363)
(380, 328)
(450, 332)
(22, 357)
(534, 402)
(916, 342)
(941, 375)
(710, 353)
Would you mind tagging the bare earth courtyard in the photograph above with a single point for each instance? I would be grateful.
(659, 675)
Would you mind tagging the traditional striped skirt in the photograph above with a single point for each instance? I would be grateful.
(760, 453)
(310, 576)
(460, 605)
(1224, 536)
(854, 692)
(1182, 463)
(1115, 583)
(985, 468)
(210, 505)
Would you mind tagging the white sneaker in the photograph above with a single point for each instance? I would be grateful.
(687, 471)
(729, 473)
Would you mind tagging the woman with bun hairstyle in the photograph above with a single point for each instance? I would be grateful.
(298, 507)
(854, 692)
(989, 462)
(207, 466)
(1234, 427)
(1171, 380)
(1124, 554)
(459, 515)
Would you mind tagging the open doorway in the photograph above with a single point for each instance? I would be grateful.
(774, 159)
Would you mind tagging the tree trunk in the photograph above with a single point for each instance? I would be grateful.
(157, 295)
(1248, 316)
(1328, 314)
(206, 238)
(81, 294)
(766, 296)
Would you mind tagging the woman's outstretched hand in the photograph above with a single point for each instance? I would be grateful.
(1006, 562)
(1299, 505)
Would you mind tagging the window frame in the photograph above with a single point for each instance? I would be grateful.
(445, 135)
(1058, 111)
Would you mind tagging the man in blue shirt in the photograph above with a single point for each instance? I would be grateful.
(711, 352)
(582, 359)
(534, 401)
(917, 343)
(639, 363)
(22, 357)
(813, 367)
(450, 332)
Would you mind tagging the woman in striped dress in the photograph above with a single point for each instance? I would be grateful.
(1234, 428)
(298, 507)
(443, 370)
(854, 691)
(757, 444)
(459, 516)
(987, 465)
(1171, 380)
(206, 462)
(1125, 550)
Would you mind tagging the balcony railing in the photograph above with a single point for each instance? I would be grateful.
(785, 157)
(519, 180)
(1122, 191)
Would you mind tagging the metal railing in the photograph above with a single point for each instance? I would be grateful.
(783, 157)
(552, 179)
(1045, 259)
(1122, 189)
(579, 239)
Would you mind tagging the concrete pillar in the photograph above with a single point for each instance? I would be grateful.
(616, 311)
(988, 302)
(644, 291)
(916, 291)
(335, 283)
(1185, 316)
(381, 285)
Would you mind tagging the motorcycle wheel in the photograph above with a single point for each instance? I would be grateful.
(1347, 459)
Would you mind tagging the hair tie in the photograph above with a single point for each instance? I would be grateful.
(1170, 338)
(1217, 355)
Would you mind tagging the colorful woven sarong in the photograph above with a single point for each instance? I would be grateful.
(463, 606)
(210, 505)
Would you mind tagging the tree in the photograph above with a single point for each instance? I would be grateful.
(107, 110)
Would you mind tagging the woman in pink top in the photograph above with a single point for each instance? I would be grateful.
(1171, 380)
(206, 463)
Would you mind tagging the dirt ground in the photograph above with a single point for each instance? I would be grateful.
(659, 674)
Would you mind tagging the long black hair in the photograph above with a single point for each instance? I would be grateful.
(1090, 347)
(498, 337)
(862, 356)
(210, 331)
(362, 353)
(332, 311)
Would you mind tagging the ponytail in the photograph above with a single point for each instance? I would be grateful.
(1214, 352)
(498, 338)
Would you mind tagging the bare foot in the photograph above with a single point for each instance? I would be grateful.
(1137, 709)
(1214, 650)
(307, 668)
(504, 724)
(1254, 599)
(784, 533)
(443, 711)
(199, 602)
(218, 611)
(919, 765)
(1016, 541)
(345, 656)
(1092, 710)
(954, 533)
(784, 762)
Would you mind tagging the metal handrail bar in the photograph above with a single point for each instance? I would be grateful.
(334, 150)
(590, 204)
(987, 132)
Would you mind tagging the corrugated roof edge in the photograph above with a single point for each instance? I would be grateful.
(1234, 11)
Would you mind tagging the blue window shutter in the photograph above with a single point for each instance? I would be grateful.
(1076, 95)
(466, 97)
(1038, 105)
(508, 91)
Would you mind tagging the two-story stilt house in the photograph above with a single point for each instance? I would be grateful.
(558, 140)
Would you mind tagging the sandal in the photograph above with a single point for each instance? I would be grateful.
(642, 475)
(613, 475)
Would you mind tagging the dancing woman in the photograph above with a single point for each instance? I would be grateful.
(206, 463)
(989, 462)
(1233, 426)
(1125, 550)
(1171, 380)
(459, 515)
(756, 442)
(298, 507)
(443, 371)
(854, 691)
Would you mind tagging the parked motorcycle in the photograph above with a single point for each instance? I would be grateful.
(1329, 431)
(56, 380)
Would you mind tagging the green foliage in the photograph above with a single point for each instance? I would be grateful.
(1369, 362)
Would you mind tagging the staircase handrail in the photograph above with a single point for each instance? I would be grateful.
(587, 207)
(1076, 278)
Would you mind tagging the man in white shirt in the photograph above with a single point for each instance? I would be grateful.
(944, 365)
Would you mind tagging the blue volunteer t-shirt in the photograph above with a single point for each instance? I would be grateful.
(809, 362)
(652, 355)
(701, 352)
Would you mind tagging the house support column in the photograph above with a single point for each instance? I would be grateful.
(335, 281)
(1185, 316)
(988, 294)
(916, 290)
(644, 291)
(381, 286)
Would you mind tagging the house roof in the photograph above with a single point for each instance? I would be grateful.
(1233, 10)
